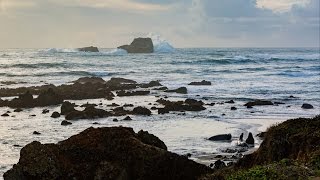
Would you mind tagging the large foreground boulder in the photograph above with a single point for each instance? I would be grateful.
(139, 45)
(103, 153)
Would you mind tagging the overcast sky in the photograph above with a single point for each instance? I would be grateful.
(184, 23)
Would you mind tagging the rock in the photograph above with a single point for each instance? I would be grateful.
(233, 108)
(45, 111)
(241, 137)
(55, 114)
(202, 83)
(103, 153)
(181, 90)
(250, 139)
(33, 115)
(221, 137)
(18, 110)
(115, 120)
(141, 111)
(65, 123)
(230, 102)
(151, 84)
(277, 103)
(258, 103)
(36, 133)
(96, 123)
(295, 139)
(5, 115)
(92, 80)
(132, 93)
(128, 105)
(154, 108)
(128, 118)
(88, 105)
(66, 107)
(219, 164)
(163, 111)
(48, 98)
(151, 139)
(88, 113)
(139, 45)
(307, 106)
(120, 111)
(88, 49)
(161, 89)
(211, 104)
(115, 80)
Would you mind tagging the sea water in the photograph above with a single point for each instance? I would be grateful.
(240, 74)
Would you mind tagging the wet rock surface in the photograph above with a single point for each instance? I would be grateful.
(103, 153)
(139, 45)
(221, 137)
(258, 103)
(201, 83)
(89, 49)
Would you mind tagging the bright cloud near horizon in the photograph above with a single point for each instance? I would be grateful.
(184, 23)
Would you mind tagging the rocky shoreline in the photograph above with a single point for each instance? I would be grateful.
(20, 99)
(120, 153)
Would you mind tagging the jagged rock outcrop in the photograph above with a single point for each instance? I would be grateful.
(104, 153)
(139, 45)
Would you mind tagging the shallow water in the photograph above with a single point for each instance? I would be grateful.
(238, 74)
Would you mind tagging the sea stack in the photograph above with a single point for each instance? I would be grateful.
(139, 45)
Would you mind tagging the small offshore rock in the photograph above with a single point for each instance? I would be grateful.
(250, 139)
(115, 120)
(128, 118)
(18, 110)
(55, 115)
(307, 106)
(221, 137)
(230, 102)
(36, 133)
(65, 123)
(45, 111)
(5, 115)
(202, 83)
(233, 108)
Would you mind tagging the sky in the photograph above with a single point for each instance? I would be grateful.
(183, 23)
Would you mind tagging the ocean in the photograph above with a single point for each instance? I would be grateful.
(239, 74)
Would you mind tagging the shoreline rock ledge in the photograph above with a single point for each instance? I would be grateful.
(104, 153)
(139, 45)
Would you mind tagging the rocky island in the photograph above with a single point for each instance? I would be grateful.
(139, 45)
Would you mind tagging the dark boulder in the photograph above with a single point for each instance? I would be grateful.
(139, 45)
(202, 83)
(103, 153)
(141, 111)
(92, 80)
(132, 93)
(55, 115)
(89, 49)
(306, 106)
(18, 110)
(250, 139)
(151, 139)
(221, 137)
(151, 84)
(65, 123)
(36, 133)
(128, 118)
(48, 98)
(67, 107)
(45, 111)
(233, 108)
(88, 113)
(5, 115)
(230, 102)
(181, 90)
(258, 103)
(219, 164)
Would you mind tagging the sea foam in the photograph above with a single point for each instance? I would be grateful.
(160, 45)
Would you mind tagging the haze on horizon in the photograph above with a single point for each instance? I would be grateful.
(184, 23)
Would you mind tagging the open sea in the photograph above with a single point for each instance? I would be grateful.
(240, 74)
